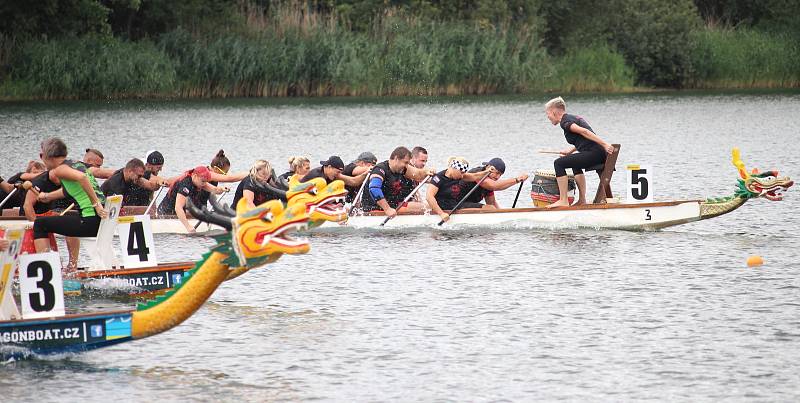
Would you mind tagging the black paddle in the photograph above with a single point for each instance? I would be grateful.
(486, 175)
(517, 196)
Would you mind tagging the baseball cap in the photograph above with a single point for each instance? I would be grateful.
(202, 171)
(333, 161)
(497, 163)
(154, 158)
(367, 156)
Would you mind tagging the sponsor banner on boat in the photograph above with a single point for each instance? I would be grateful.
(153, 281)
(64, 333)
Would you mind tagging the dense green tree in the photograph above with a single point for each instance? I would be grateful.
(52, 18)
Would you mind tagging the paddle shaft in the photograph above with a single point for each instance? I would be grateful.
(2, 203)
(357, 199)
(517, 196)
(463, 199)
(410, 195)
(548, 152)
(152, 202)
(220, 199)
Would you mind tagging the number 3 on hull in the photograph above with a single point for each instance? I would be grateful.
(136, 242)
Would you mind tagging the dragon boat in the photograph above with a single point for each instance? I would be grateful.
(252, 238)
(636, 217)
(323, 202)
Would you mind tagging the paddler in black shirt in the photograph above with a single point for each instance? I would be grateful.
(123, 180)
(386, 184)
(331, 170)
(591, 149)
(363, 163)
(192, 185)
(492, 183)
(142, 195)
(258, 187)
(448, 187)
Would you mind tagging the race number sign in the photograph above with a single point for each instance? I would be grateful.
(640, 184)
(40, 287)
(136, 241)
(8, 266)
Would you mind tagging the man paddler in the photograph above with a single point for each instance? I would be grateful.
(332, 169)
(386, 190)
(362, 164)
(448, 187)
(492, 183)
(123, 180)
(140, 194)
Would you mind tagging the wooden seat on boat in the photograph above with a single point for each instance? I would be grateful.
(605, 171)
(11, 212)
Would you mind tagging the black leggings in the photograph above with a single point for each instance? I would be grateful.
(67, 225)
(579, 161)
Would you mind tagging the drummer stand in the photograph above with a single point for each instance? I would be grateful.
(605, 170)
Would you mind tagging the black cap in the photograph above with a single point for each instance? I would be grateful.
(333, 161)
(154, 158)
(367, 156)
(497, 163)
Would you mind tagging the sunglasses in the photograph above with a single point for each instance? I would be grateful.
(219, 170)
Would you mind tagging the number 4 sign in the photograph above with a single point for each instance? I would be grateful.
(640, 185)
(136, 241)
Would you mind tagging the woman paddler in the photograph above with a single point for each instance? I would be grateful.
(297, 166)
(258, 187)
(591, 149)
(77, 182)
(193, 184)
(448, 187)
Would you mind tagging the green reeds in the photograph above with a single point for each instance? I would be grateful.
(744, 58)
(90, 67)
(594, 69)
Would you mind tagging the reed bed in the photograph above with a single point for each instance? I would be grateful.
(745, 58)
(291, 53)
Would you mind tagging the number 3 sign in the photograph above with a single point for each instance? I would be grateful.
(136, 242)
(40, 287)
(640, 184)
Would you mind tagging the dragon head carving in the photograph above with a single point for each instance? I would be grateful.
(259, 235)
(759, 184)
(323, 202)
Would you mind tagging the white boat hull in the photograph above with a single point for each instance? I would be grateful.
(619, 216)
(644, 216)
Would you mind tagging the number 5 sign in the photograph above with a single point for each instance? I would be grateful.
(640, 184)
(40, 287)
(136, 241)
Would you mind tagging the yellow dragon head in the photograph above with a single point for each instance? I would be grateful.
(259, 235)
(322, 201)
(759, 184)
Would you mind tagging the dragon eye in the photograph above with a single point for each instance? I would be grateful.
(313, 191)
(267, 217)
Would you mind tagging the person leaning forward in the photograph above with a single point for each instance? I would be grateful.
(448, 187)
(386, 190)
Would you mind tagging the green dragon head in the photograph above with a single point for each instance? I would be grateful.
(764, 184)
(323, 202)
(259, 235)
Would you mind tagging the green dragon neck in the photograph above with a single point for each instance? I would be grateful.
(719, 206)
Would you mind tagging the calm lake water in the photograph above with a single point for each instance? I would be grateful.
(498, 315)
